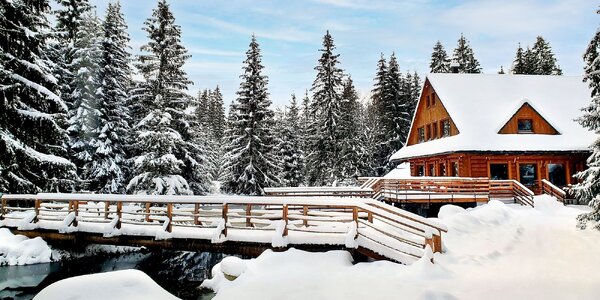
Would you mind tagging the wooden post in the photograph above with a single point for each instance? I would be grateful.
(429, 241)
(170, 217)
(355, 215)
(197, 214)
(370, 217)
(2, 209)
(248, 215)
(305, 213)
(285, 219)
(119, 208)
(106, 209)
(437, 243)
(147, 211)
(38, 204)
(224, 215)
(76, 211)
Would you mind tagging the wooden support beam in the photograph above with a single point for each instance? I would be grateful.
(170, 217)
(305, 213)
(147, 211)
(437, 243)
(285, 219)
(76, 211)
(196, 214)
(2, 209)
(38, 204)
(119, 214)
(224, 215)
(106, 209)
(249, 215)
(370, 217)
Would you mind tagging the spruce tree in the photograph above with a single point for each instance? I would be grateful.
(84, 122)
(544, 60)
(164, 166)
(69, 19)
(251, 162)
(290, 152)
(519, 64)
(440, 63)
(464, 58)
(323, 161)
(32, 115)
(109, 169)
(353, 152)
(377, 111)
(589, 188)
(217, 114)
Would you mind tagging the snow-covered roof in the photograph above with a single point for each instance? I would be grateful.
(481, 104)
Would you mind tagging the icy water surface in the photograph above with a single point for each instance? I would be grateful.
(180, 273)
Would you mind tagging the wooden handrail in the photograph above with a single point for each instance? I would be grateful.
(237, 212)
(550, 189)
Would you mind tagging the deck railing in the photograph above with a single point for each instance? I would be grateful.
(550, 189)
(511, 189)
(382, 229)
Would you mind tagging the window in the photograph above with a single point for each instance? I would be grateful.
(445, 128)
(455, 169)
(432, 99)
(421, 134)
(431, 170)
(420, 170)
(443, 169)
(528, 174)
(434, 130)
(428, 131)
(557, 174)
(498, 171)
(428, 103)
(525, 126)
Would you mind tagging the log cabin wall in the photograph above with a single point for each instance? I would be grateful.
(429, 115)
(526, 112)
(478, 164)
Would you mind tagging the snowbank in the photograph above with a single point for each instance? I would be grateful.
(126, 284)
(494, 251)
(20, 250)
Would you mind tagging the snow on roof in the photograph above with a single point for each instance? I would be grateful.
(481, 104)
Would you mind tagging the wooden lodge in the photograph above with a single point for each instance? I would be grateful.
(519, 127)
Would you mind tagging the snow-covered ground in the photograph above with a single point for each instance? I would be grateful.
(126, 284)
(495, 251)
(20, 250)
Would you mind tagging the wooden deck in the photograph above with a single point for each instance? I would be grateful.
(228, 224)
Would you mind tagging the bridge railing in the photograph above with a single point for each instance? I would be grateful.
(378, 228)
(343, 191)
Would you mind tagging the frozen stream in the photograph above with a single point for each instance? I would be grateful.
(180, 273)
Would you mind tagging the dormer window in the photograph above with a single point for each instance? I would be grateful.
(421, 134)
(525, 126)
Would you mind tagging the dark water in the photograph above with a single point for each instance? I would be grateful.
(180, 273)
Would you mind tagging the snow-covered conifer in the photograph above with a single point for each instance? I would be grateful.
(544, 60)
(323, 161)
(32, 116)
(464, 58)
(251, 162)
(440, 63)
(289, 148)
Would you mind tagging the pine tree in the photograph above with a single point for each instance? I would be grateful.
(84, 122)
(32, 141)
(464, 58)
(378, 110)
(108, 169)
(397, 107)
(440, 63)
(290, 152)
(501, 70)
(353, 152)
(545, 62)
(69, 20)
(169, 160)
(323, 161)
(589, 189)
(217, 114)
(519, 64)
(251, 163)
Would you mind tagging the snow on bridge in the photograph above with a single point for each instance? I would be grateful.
(231, 224)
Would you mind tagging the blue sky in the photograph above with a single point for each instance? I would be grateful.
(217, 34)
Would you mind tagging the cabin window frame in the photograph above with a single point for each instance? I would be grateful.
(525, 131)
(435, 131)
(443, 128)
(421, 134)
(420, 170)
(455, 171)
(433, 102)
(427, 101)
(565, 174)
(431, 169)
(537, 174)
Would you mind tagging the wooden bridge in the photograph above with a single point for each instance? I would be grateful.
(227, 224)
